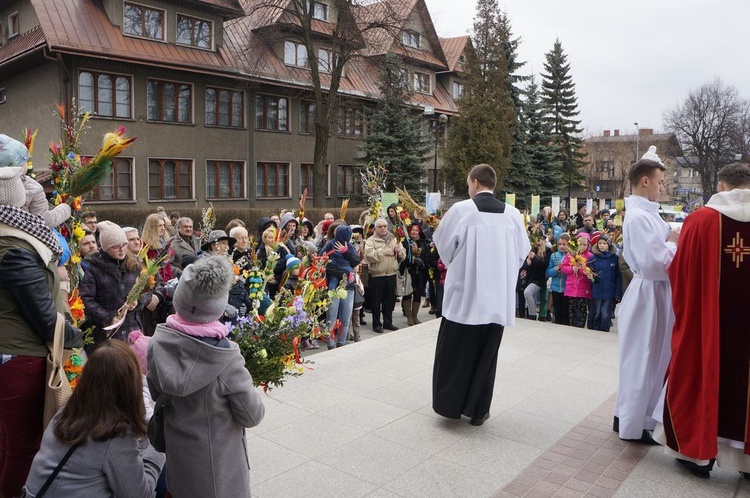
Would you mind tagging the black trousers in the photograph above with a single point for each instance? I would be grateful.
(560, 304)
(382, 299)
(463, 377)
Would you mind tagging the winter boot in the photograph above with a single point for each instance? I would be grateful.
(414, 311)
(406, 306)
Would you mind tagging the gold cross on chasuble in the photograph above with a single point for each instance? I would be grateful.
(738, 250)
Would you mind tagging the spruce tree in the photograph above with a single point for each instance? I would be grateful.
(544, 165)
(396, 137)
(521, 180)
(560, 106)
(483, 132)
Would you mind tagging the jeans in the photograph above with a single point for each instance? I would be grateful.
(21, 409)
(531, 294)
(601, 311)
(340, 309)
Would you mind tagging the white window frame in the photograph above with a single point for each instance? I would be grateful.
(314, 10)
(143, 37)
(243, 193)
(458, 90)
(194, 18)
(411, 39)
(114, 76)
(416, 78)
(285, 195)
(12, 16)
(328, 178)
(300, 60)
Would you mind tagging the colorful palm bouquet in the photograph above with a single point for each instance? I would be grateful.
(74, 175)
(373, 184)
(578, 260)
(270, 341)
(144, 283)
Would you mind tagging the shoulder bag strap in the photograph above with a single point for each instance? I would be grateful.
(57, 470)
(59, 342)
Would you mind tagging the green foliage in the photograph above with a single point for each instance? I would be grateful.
(560, 109)
(543, 162)
(483, 133)
(395, 136)
(521, 179)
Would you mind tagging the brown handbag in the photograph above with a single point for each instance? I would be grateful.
(57, 390)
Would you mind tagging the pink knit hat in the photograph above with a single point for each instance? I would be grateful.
(139, 345)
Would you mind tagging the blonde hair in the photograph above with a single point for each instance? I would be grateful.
(150, 235)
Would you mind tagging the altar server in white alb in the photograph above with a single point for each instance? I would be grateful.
(646, 317)
(483, 242)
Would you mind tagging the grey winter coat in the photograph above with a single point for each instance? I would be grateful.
(118, 467)
(213, 400)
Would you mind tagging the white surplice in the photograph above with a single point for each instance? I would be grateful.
(646, 318)
(483, 252)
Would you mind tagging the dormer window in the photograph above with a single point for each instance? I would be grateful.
(13, 25)
(295, 54)
(143, 21)
(319, 10)
(410, 39)
(422, 83)
(462, 59)
(193, 32)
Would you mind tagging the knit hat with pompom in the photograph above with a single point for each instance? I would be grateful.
(203, 290)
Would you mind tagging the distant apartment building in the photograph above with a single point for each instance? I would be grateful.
(222, 110)
(610, 156)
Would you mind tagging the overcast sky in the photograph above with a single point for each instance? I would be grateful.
(630, 61)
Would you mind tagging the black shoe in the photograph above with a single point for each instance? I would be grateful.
(479, 420)
(362, 321)
(616, 424)
(390, 326)
(377, 329)
(702, 471)
(746, 475)
(645, 439)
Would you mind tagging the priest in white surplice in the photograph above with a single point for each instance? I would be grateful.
(483, 242)
(645, 320)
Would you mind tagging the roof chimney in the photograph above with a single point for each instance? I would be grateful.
(646, 131)
(617, 133)
(606, 133)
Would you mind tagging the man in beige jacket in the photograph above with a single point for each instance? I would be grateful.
(383, 254)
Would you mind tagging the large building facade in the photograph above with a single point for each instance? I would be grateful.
(219, 96)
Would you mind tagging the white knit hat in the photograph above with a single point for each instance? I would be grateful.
(652, 156)
(12, 191)
(110, 235)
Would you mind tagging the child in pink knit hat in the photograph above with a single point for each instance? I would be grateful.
(139, 345)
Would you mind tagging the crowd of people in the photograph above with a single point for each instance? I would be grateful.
(167, 355)
(575, 273)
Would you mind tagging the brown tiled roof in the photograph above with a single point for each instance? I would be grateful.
(82, 27)
(230, 8)
(454, 49)
(21, 45)
(394, 13)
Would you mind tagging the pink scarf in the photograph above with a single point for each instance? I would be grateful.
(216, 330)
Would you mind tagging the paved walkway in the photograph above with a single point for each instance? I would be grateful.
(360, 424)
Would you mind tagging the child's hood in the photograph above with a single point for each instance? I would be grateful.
(180, 364)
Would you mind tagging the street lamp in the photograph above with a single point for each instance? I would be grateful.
(570, 175)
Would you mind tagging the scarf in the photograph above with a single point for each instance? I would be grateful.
(215, 330)
(31, 224)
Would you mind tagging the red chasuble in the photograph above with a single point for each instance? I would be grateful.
(707, 390)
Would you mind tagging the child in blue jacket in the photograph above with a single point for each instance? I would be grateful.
(559, 301)
(607, 285)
